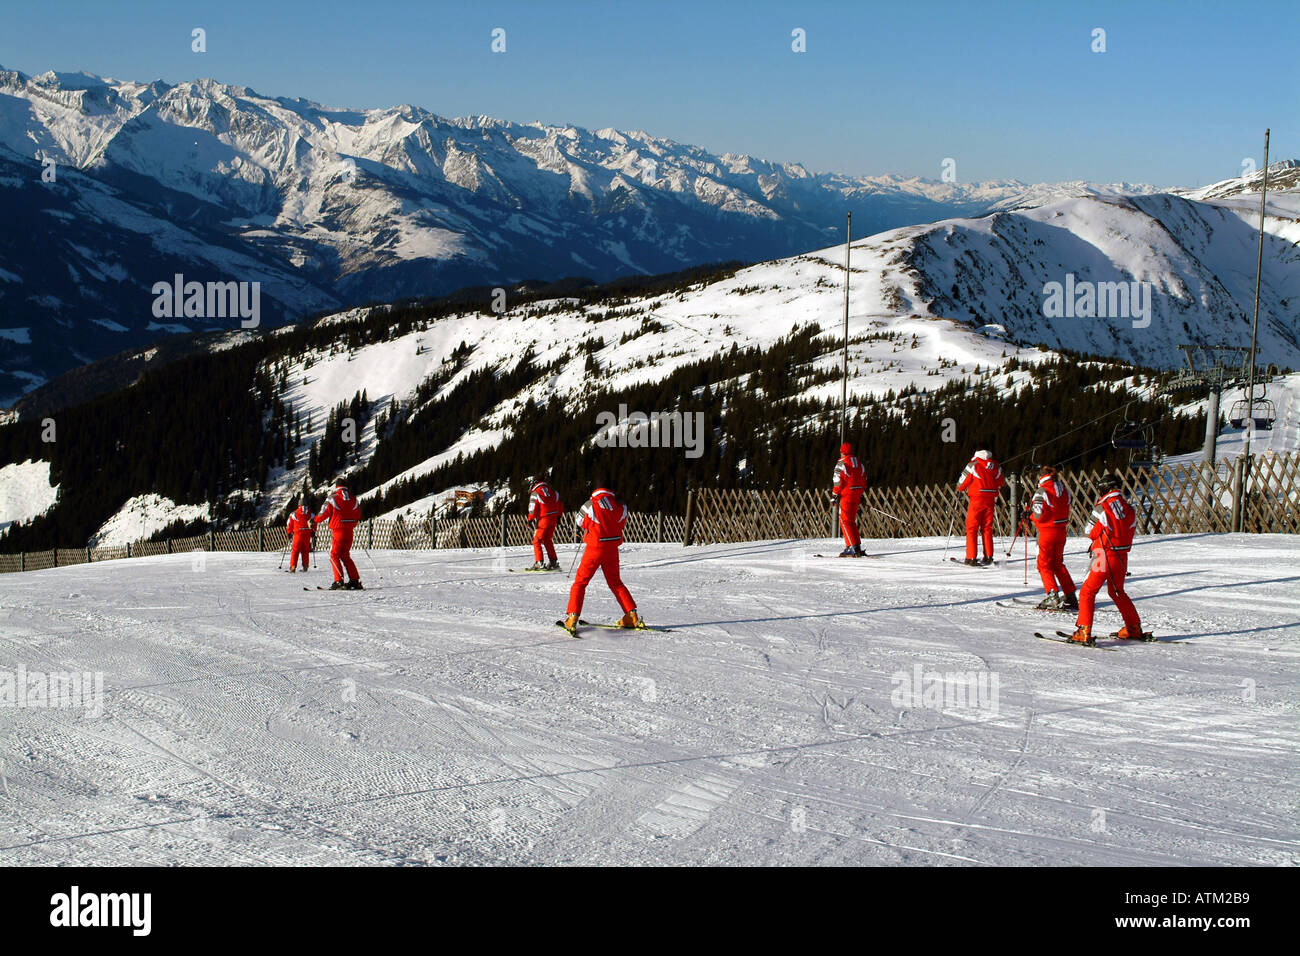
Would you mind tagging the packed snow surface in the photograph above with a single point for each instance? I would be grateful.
(440, 717)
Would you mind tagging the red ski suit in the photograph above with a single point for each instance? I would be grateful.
(981, 480)
(544, 507)
(1111, 531)
(343, 512)
(301, 531)
(1051, 516)
(849, 485)
(601, 520)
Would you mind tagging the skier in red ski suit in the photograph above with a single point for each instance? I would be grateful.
(343, 512)
(301, 531)
(982, 481)
(1111, 531)
(849, 484)
(1051, 516)
(601, 519)
(544, 510)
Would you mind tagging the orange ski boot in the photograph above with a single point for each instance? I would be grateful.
(1083, 635)
(631, 620)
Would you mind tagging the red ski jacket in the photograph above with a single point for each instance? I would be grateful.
(982, 477)
(544, 502)
(300, 525)
(1051, 503)
(1113, 522)
(849, 476)
(341, 509)
(602, 518)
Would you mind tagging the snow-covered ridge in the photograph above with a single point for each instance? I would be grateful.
(905, 328)
(25, 492)
(142, 517)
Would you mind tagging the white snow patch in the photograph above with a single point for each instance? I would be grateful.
(25, 491)
(142, 516)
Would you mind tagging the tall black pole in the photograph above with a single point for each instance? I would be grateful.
(844, 381)
(1254, 325)
(1254, 337)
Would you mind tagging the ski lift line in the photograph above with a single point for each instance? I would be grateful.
(1033, 449)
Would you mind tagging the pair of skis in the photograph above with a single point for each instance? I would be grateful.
(1065, 637)
(609, 627)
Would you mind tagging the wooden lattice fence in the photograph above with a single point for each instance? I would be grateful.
(1256, 495)
(1262, 497)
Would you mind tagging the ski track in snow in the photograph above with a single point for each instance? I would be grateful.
(442, 718)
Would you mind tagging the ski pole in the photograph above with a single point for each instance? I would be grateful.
(574, 563)
(952, 519)
(1019, 527)
(888, 515)
(379, 574)
(282, 551)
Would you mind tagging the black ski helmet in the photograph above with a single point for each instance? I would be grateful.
(1108, 482)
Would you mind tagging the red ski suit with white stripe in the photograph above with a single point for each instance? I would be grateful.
(1111, 531)
(301, 531)
(982, 481)
(343, 512)
(1051, 516)
(544, 507)
(602, 519)
(849, 485)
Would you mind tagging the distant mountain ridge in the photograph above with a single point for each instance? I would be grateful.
(328, 208)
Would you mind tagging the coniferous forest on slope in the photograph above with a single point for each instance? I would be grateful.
(210, 427)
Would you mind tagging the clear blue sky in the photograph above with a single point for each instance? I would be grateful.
(1008, 89)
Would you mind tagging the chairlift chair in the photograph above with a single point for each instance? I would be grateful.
(1261, 413)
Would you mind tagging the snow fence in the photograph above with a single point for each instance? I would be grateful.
(1259, 494)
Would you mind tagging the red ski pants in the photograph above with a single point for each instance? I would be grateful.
(301, 549)
(604, 557)
(544, 537)
(341, 554)
(849, 503)
(979, 520)
(1109, 567)
(1051, 559)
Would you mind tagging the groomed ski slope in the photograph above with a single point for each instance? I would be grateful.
(442, 718)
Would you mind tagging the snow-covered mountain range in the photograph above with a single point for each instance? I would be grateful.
(909, 329)
(111, 186)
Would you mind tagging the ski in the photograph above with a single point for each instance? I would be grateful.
(1146, 638)
(962, 562)
(1064, 638)
(572, 633)
(533, 570)
(846, 555)
(616, 627)
(320, 588)
(1032, 606)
